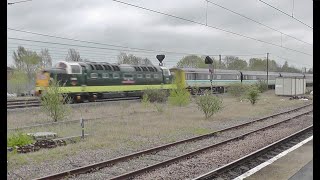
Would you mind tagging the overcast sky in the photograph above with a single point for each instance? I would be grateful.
(109, 22)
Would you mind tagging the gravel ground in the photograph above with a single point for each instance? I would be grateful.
(212, 159)
(85, 157)
(146, 160)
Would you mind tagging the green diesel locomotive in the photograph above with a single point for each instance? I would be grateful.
(97, 80)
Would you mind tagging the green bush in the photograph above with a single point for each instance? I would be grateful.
(19, 139)
(156, 95)
(237, 89)
(262, 86)
(252, 94)
(53, 102)
(179, 97)
(209, 104)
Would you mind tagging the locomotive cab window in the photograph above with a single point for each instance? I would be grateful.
(61, 65)
(75, 69)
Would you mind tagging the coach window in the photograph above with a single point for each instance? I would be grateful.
(148, 76)
(105, 75)
(254, 77)
(116, 76)
(94, 75)
(139, 75)
(218, 76)
(155, 76)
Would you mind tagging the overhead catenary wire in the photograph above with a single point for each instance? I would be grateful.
(213, 27)
(115, 55)
(286, 14)
(104, 48)
(102, 57)
(80, 49)
(253, 20)
(97, 43)
(17, 2)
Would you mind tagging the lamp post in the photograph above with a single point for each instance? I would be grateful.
(267, 70)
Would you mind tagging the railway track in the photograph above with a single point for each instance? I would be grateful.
(22, 103)
(28, 103)
(237, 169)
(159, 157)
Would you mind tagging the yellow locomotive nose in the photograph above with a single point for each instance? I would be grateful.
(42, 81)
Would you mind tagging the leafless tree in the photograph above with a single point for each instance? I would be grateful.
(73, 55)
(46, 60)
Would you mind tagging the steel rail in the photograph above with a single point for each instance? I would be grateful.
(99, 165)
(241, 160)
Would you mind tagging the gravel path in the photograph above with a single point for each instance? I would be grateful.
(212, 159)
(88, 157)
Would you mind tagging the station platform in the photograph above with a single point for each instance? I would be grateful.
(296, 165)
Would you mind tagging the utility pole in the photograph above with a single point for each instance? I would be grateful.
(220, 61)
(209, 61)
(267, 70)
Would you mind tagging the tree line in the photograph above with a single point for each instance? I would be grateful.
(235, 63)
(28, 62)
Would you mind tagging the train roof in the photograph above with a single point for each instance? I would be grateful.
(122, 67)
(226, 71)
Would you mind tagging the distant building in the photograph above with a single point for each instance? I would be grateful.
(9, 72)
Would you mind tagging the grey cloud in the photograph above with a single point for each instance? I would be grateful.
(112, 23)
